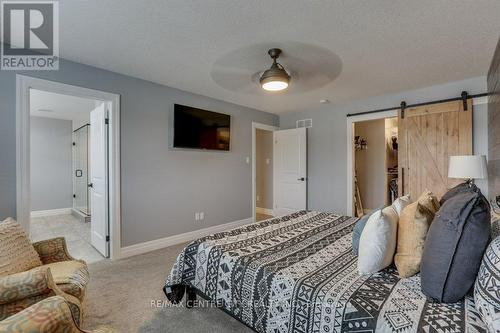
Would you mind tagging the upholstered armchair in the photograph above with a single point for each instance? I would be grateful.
(30, 272)
(70, 275)
(51, 315)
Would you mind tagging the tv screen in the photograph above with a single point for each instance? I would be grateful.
(200, 129)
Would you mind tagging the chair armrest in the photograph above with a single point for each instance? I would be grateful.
(52, 250)
(35, 282)
(51, 315)
(21, 290)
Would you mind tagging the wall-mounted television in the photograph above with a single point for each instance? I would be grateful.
(201, 129)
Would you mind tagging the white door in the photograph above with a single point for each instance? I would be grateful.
(290, 171)
(99, 179)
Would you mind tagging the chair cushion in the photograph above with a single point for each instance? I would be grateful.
(71, 277)
(17, 254)
(455, 245)
(413, 225)
(486, 288)
(378, 241)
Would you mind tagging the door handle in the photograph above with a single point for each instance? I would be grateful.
(301, 179)
(91, 185)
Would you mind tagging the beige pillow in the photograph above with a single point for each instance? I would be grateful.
(413, 225)
(17, 254)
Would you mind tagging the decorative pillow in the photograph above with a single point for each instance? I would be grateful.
(455, 245)
(400, 203)
(463, 187)
(486, 290)
(413, 225)
(358, 229)
(17, 254)
(378, 241)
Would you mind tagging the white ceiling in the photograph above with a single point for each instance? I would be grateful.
(51, 105)
(384, 46)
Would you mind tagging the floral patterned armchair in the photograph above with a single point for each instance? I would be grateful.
(30, 273)
(51, 315)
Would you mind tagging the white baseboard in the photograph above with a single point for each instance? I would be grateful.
(161, 243)
(266, 211)
(51, 212)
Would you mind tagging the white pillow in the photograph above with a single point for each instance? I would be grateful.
(400, 203)
(377, 244)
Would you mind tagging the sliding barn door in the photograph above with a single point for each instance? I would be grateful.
(428, 136)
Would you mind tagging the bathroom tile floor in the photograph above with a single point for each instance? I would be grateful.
(77, 235)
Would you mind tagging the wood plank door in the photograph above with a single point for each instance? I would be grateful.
(428, 136)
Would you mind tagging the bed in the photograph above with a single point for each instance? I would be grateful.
(297, 273)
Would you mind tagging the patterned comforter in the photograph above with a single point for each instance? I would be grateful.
(297, 273)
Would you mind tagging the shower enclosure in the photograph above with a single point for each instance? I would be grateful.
(81, 202)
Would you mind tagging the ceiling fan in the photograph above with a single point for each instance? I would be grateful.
(301, 68)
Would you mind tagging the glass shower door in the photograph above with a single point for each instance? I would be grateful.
(80, 169)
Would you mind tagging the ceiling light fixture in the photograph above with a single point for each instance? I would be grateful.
(275, 78)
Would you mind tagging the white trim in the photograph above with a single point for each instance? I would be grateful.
(480, 100)
(350, 150)
(51, 212)
(23, 85)
(266, 211)
(161, 243)
(264, 127)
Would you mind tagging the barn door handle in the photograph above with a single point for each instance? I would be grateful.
(91, 185)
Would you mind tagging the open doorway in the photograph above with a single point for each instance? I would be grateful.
(372, 148)
(264, 174)
(61, 170)
(375, 164)
(68, 144)
(263, 182)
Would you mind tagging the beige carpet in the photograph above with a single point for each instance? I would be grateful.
(121, 293)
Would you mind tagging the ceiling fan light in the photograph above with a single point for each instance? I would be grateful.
(275, 78)
(274, 85)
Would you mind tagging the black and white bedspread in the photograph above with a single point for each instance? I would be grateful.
(297, 273)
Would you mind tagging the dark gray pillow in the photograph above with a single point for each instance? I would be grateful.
(455, 244)
(358, 229)
(463, 187)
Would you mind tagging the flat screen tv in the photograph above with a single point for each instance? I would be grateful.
(201, 129)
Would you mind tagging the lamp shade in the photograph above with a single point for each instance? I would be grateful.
(468, 167)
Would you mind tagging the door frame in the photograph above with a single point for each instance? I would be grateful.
(23, 196)
(255, 126)
(350, 150)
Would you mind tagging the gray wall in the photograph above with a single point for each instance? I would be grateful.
(162, 188)
(327, 167)
(51, 156)
(264, 171)
(370, 163)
